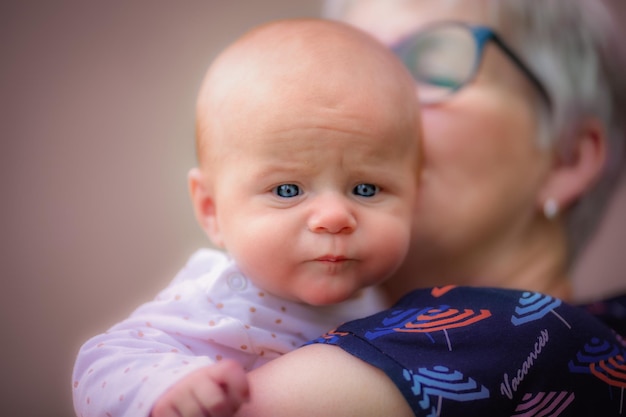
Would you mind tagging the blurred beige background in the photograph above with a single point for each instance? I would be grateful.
(96, 112)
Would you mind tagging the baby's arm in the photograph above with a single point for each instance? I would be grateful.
(213, 391)
(125, 371)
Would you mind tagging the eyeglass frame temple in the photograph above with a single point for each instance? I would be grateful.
(483, 34)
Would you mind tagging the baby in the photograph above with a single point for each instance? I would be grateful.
(308, 147)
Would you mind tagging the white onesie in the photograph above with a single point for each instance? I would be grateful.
(209, 312)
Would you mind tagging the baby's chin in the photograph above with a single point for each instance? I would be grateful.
(320, 297)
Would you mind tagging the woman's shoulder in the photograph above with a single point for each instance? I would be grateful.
(478, 311)
(611, 311)
(463, 350)
(321, 380)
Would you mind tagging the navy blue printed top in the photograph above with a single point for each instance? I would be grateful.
(461, 351)
(612, 311)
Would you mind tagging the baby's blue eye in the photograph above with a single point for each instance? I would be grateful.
(365, 190)
(287, 190)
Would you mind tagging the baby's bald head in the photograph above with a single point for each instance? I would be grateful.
(282, 70)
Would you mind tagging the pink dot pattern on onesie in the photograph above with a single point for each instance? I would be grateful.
(263, 305)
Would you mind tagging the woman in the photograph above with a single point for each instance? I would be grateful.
(523, 105)
(517, 139)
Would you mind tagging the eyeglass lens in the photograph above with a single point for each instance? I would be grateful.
(441, 60)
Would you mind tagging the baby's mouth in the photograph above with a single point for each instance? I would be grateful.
(332, 258)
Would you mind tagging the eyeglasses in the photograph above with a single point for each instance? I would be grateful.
(444, 57)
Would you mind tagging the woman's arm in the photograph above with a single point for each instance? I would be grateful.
(322, 380)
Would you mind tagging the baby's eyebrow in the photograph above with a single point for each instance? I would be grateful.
(281, 168)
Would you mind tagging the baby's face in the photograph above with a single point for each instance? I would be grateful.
(315, 203)
(313, 168)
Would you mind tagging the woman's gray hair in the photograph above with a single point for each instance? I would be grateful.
(577, 49)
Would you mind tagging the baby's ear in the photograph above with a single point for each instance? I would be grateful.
(204, 205)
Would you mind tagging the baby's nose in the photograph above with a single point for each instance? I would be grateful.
(332, 214)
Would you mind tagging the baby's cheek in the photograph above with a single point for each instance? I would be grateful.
(390, 246)
(261, 261)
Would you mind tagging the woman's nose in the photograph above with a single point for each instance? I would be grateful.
(332, 214)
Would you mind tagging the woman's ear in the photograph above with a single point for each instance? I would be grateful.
(576, 172)
(204, 205)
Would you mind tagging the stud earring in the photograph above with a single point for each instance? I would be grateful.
(550, 208)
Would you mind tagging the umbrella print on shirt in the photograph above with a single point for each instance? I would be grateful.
(441, 382)
(605, 361)
(330, 338)
(428, 320)
(550, 404)
(533, 306)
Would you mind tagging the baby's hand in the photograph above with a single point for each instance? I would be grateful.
(213, 391)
